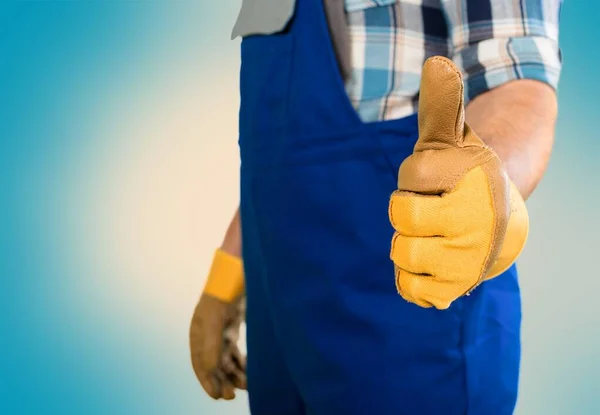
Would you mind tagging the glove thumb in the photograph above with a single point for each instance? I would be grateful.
(441, 108)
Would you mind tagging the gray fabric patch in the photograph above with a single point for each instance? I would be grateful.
(340, 38)
(263, 17)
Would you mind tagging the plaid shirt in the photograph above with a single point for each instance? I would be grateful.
(491, 41)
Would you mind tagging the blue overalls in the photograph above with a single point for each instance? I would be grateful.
(327, 333)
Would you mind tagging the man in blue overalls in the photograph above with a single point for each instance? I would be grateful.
(379, 230)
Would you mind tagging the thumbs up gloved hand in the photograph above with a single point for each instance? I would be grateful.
(458, 218)
(214, 331)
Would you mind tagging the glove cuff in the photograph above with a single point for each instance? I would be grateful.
(226, 277)
(516, 234)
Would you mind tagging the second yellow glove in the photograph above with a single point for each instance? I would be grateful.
(215, 326)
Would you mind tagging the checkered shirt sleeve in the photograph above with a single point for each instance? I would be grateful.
(492, 42)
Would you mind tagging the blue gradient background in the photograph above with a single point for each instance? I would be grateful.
(119, 174)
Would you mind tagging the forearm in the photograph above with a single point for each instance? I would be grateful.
(517, 120)
(232, 243)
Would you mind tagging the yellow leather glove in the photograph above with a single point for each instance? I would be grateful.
(458, 218)
(214, 331)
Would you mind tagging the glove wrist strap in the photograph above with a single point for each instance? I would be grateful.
(226, 277)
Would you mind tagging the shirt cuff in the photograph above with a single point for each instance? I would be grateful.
(494, 62)
(357, 5)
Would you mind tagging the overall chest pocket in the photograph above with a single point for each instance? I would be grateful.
(266, 61)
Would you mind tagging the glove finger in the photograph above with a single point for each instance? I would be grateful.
(228, 363)
(234, 366)
(211, 384)
(204, 372)
(227, 387)
(417, 255)
(204, 356)
(441, 105)
(240, 380)
(427, 291)
(413, 214)
(228, 391)
(446, 259)
(232, 356)
(409, 287)
(238, 376)
(240, 359)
